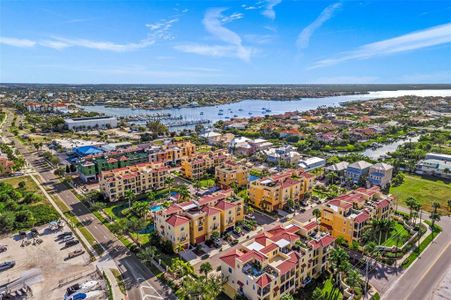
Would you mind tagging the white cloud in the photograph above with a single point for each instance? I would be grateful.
(15, 42)
(233, 43)
(157, 32)
(269, 9)
(429, 37)
(232, 17)
(305, 35)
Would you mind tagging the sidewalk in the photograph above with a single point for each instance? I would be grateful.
(106, 267)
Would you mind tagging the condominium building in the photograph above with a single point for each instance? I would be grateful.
(230, 173)
(347, 214)
(276, 262)
(273, 192)
(199, 164)
(139, 179)
(171, 152)
(193, 222)
(91, 123)
(380, 174)
(90, 166)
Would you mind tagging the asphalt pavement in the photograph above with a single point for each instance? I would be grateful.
(142, 283)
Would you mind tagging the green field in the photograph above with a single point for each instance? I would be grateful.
(426, 191)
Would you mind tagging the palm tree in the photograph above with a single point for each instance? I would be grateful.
(205, 268)
(317, 213)
(317, 294)
(435, 215)
(287, 296)
(411, 203)
(338, 259)
(179, 248)
(140, 209)
(147, 254)
(353, 278)
(130, 197)
(183, 191)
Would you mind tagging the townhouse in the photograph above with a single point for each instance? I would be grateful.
(273, 192)
(195, 221)
(232, 173)
(347, 214)
(380, 174)
(139, 179)
(198, 165)
(276, 262)
(356, 171)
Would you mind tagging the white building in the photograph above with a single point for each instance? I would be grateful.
(312, 163)
(91, 123)
(438, 156)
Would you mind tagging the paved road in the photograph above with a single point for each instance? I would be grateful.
(141, 281)
(421, 280)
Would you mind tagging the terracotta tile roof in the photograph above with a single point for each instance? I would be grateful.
(269, 248)
(264, 280)
(209, 210)
(383, 203)
(286, 266)
(276, 230)
(176, 220)
(322, 242)
(362, 217)
(230, 256)
(310, 226)
(172, 209)
(293, 229)
(252, 254)
(339, 203)
(286, 236)
(224, 205)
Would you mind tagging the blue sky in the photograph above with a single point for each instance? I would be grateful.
(272, 41)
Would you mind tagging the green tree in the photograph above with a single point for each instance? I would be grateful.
(339, 261)
(140, 209)
(435, 215)
(317, 213)
(205, 268)
(287, 297)
(130, 197)
(317, 294)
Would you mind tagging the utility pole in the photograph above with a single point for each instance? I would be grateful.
(419, 226)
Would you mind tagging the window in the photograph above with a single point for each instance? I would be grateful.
(230, 270)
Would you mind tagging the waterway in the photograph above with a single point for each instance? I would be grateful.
(391, 147)
(250, 108)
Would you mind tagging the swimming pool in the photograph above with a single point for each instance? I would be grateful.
(156, 208)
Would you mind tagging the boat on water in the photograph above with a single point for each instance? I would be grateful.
(240, 109)
(249, 113)
(201, 112)
(220, 113)
(235, 116)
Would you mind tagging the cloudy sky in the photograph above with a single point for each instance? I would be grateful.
(266, 41)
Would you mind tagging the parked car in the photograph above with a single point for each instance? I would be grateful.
(67, 239)
(3, 248)
(234, 242)
(34, 231)
(71, 243)
(302, 210)
(7, 265)
(64, 234)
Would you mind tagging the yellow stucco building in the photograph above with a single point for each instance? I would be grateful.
(199, 164)
(230, 172)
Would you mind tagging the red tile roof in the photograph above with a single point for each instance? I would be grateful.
(209, 210)
(252, 254)
(230, 256)
(322, 242)
(176, 220)
(362, 217)
(224, 205)
(339, 203)
(310, 226)
(269, 248)
(383, 203)
(264, 280)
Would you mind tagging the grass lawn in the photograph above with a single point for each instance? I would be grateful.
(207, 183)
(30, 185)
(398, 236)
(424, 190)
(329, 291)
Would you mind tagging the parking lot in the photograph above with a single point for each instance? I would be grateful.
(44, 266)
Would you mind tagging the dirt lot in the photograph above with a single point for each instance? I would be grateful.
(43, 267)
